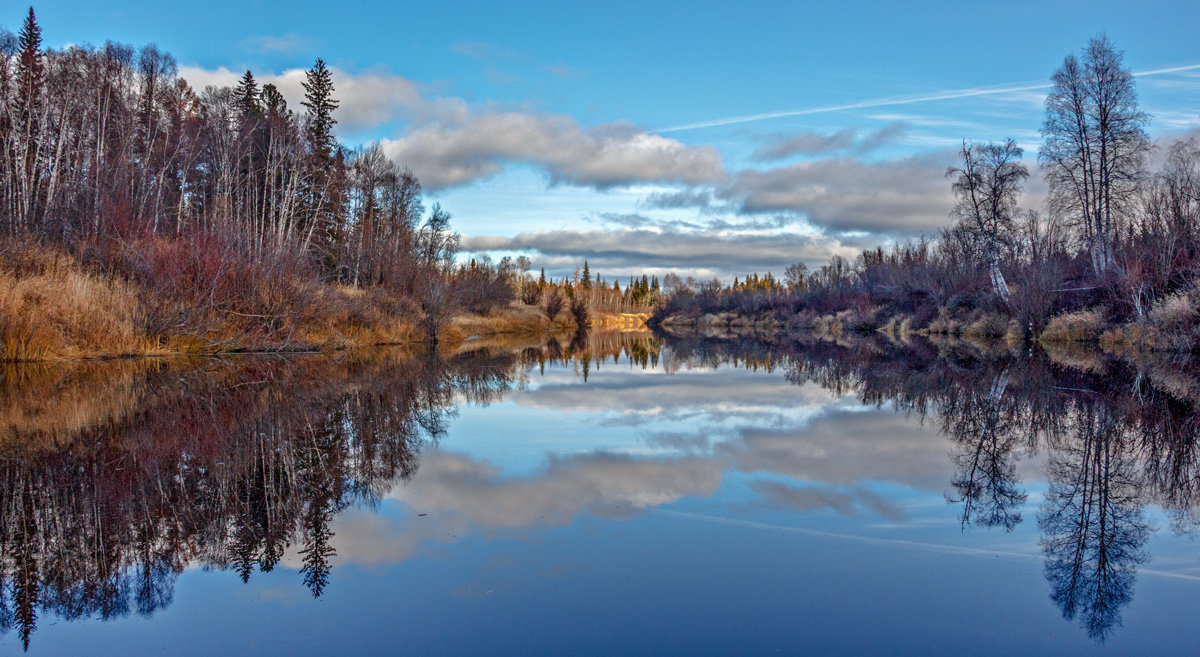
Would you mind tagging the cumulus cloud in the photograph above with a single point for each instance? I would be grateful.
(684, 198)
(685, 395)
(601, 484)
(816, 143)
(447, 153)
(667, 248)
(447, 142)
(902, 196)
(846, 448)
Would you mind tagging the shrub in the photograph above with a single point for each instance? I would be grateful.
(579, 312)
(554, 304)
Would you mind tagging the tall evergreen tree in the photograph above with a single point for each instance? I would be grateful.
(319, 103)
(246, 97)
(30, 84)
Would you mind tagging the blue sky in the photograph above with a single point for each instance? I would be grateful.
(601, 130)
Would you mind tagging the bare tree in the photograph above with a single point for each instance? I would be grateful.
(1095, 145)
(987, 186)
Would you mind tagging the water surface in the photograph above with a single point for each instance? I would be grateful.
(605, 494)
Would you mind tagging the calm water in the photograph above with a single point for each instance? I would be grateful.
(608, 495)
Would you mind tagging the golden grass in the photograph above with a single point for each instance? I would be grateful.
(986, 326)
(1015, 335)
(517, 318)
(64, 312)
(52, 308)
(1078, 326)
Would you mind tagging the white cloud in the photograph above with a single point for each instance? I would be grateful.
(683, 250)
(902, 196)
(453, 152)
(367, 99)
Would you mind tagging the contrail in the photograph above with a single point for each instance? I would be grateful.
(1012, 555)
(902, 100)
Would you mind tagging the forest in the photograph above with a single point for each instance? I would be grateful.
(141, 215)
(1113, 256)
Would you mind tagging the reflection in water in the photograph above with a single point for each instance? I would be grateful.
(222, 465)
(1117, 436)
(116, 477)
(1093, 522)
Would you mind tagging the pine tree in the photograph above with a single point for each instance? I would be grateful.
(542, 279)
(586, 281)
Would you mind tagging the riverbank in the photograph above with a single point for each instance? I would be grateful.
(53, 308)
(1170, 325)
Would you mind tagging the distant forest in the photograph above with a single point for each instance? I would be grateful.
(1115, 254)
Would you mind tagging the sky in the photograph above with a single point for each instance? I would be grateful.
(710, 139)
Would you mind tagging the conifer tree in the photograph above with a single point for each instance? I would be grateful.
(246, 96)
(319, 103)
(273, 103)
(30, 83)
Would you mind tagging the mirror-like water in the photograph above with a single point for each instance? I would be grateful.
(600, 495)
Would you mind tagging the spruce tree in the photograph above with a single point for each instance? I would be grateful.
(246, 97)
(273, 102)
(31, 72)
(319, 103)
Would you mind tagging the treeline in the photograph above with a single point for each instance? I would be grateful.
(640, 294)
(215, 201)
(1116, 250)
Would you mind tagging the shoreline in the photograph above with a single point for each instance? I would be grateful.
(461, 329)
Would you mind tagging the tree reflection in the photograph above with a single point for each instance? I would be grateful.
(1118, 434)
(986, 436)
(1093, 524)
(225, 465)
(115, 477)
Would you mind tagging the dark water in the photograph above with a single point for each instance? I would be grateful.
(608, 495)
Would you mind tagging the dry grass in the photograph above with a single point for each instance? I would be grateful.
(517, 318)
(1079, 326)
(946, 324)
(1015, 335)
(1175, 312)
(987, 326)
(1171, 325)
(619, 320)
(52, 309)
